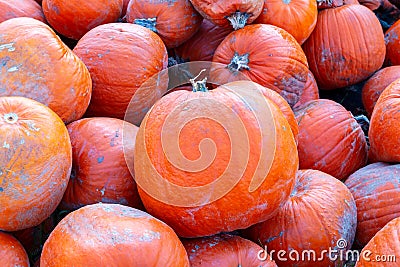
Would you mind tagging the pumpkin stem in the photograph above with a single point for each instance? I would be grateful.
(239, 62)
(363, 121)
(238, 19)
(327, 2)
(149, 23)
(11, 118)
(199, 85)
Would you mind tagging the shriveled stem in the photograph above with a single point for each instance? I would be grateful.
(199, 85)
(238, 19)
(364, 122)
(239, 62)
(149, 23)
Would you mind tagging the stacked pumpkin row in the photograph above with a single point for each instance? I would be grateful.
(269, 171)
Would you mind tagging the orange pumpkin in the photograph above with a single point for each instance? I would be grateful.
(100, 172)
(20, 8)
(12, 253)
(112, 235)
(297, 17)
(120, 58)
(310, 92)
(330, 139)
(347, 55)
(266, 54)
(392, 41)
(156, 16)
(383, 132)
(225, 250)
(319, 215)
(74, 18)
(38, 65)
(383, 249)
(206, 162)
(35, 165)
(374, 86)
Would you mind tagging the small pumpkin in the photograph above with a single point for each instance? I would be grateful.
(20, 8)
(112, 235)
(226, 250)
(392, 41)
(319, 215)
(330, 139)
(12, 253)
(74, 18)
(38, 65)
(156, 16)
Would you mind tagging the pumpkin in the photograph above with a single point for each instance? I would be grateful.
(297, 17)
(35, 165)
(375, 189)
(228, 14)
(213, 161)
(202, 45)
(392, 41)
(74, 18)
(374, 86)
(112, 235)
(225, 250)
(319, 215)
(348, 54)
(120, 58)
(100, 172)
(310, 92)
(383, 132)
(156, 16)
(12, 253)
(20, 8)
(266, 54)
(38, 65)
(383, 249)
(330, 139)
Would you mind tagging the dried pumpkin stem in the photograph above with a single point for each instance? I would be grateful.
(364, 122)
(149, 23)
(199, 85)
(239, 62)
(238, 19)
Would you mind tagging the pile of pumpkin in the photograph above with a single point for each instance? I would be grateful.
(107, 160)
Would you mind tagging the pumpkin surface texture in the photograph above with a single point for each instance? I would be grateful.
(20, 8)
(12, 253)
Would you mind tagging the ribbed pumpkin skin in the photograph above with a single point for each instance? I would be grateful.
(310, 92)
(12, 253)
(176, 21)
(100, 172)
(330, 139)
(297, 17)
(112, 235)
(224, 250)
(383, 245)
(74, 18)
(120, 58)
(352, 51)
(218, 11)
(35, 165)
(38, 65)
(202, 45)
(319, 212)
(392, 40)
(124, 7)
(375, 189)
(276, 60)
(383, 132)
(20, 8)
(374, 86)
(236, 208)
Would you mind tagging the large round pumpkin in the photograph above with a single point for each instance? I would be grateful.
(112, 235)
(12, 253)
(330, 139)
(267, 55)
(220, 160)
(74, 18)
(37, 64)
(100, 172)
(120, 58)
(35, 164)
(392, 40)
(174, 21)
(226, 250)
(20, 8)
(297, 17)
(346, 46)
(319, 215)
(376, 190)
(384, 135)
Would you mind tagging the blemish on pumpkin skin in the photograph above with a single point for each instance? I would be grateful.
(100, 159)
(9, 46)
(1, 189)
